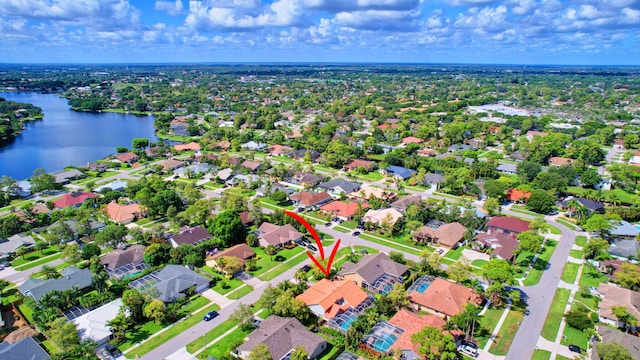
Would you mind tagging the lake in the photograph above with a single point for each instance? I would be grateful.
(65, 137)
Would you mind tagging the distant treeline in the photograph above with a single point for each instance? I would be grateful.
(12, 114)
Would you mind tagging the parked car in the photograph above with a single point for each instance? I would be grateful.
(553, 212)
(440, 251)
(210, 315)
(575, 349)
(305, 268)
(311, 247)
(355, 233)
(328, 223)
(468, 350)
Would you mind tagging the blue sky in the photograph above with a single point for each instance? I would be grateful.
(600, 32)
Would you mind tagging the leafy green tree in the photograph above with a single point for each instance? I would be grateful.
(495, 189)
(399, 296)
(155, 310)
(433, 344)
(398, 257)
(287, 305)
(139, 143)
(466, 321)
(613, 351)
(270, 250)
(260, 352)
(527, 171)
(578, 319)
(119, 326)
(541, 201)
(111, 236)
(9, 225)
(491, 206)
(49, 272)
(134, 302)
(299, 354)
(590, 178)
(628, 276)
(460, 270)
(598, 223)
(21, 251)
(623, 315)
(242, 316)
(63, 333)
(227, 228)
(229, 264)
(62, 232)
(429, 263)
(595, 247)
(157, 254)
(529, 241)
(72, 253)
(550, 181)
(41, 181)
(40, 246)
(89, 251)
(498, 273)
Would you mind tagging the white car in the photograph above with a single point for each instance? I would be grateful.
(468, 350)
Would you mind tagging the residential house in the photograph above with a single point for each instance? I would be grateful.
(356, 164)
(507, 168)
(154, 151)
(246, 218)
(98, 167)
(170, 164)
(121, 262)
(224, 174)
(560, 161)
(328, 299)
(624, 249)
(627, 341)
(9, 245)
(266, 190)
(368, 192)
(433, 179)
(507, 225)
(623, 230)
(277, 150)
(205, 158)
(193, 170)
(590, 205)
(530, 135)
(253, 166)
(123, 213)
(252, 145)
(300, 154)
(502, 245)
(278, 236)
(343, 210)
(192, 146)
(73, 199)
(223, 145)
(399, 172)
(93, 227)
(179, 128)
(171, 282)
(412, 140)
(308, 199)
(247, 179)
(442, 297)
(402, 204)
(71, 277)
(515, 195)
(116, 185)
(412, 323)
(94, 324)
(305, 178)
(374, 272)
(448, 235)
(612, 268)
(190, 236)
(127, 158)
(339, 187)
(65, 177)
(241, 252)
(382, 217)
(477, 143)
(460, 147)
(25, 349)
(426, 153)
(282, 336)
(614, 295)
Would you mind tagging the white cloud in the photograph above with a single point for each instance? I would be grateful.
(171, 8)
(384, 20)
(278, 14)
(336, 6)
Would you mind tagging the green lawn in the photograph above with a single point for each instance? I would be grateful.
(568, 224)
(10, 295)
(488, 321)
(479, 263)
(569, 273)
(39, 262)
(27, 312)
(523, 210)
(556, 312)
(211, 335)
(503, 340)
(231, 284)
(170, 333)
(397, 242)
(223, 348)
(576, 254)
(372, 176)
(592, 277)
(581, 240)
(538, 268)
(454, 254)
(35, 255)
(554, 230)
(267, 262)
(574, 336)
(624, 196)
(240, 292)
(283, 267)
(541, 355)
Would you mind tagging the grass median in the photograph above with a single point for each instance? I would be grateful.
(556, 312)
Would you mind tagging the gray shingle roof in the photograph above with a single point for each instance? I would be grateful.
(71, 276)
(345, 185)
(174, 279)
(25, 349)
(372, 266)
(282, 335)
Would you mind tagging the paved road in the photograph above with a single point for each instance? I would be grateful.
(18, 277)
(540, 297)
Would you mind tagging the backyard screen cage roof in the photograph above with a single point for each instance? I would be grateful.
(343, 320)
(75, 312)
(383, 284)
(382, 336)
(421, 284)
(127, 269)
(145, 281)
(345, 355)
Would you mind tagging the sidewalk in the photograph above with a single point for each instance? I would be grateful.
(497, 328)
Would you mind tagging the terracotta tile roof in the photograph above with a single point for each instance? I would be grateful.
(126, 157)
(412, 323)
(280, 149)
(278, 235)
(357, 163)
(223, 144)
(508, 223)
(447, 234)
(134, 255)
(412, 140)
(185, 147)
(122, 213)
(73, 199)
(333, 296)
(559, 161)
(343, 209)
(517, 195)
(309, 199)
(251, 165)
(445, 297)
(406, 201)
(240, 251)
(613, 295)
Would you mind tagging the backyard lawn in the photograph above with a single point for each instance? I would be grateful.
(556, 312)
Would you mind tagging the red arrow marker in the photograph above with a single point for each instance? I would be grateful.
(315, 236)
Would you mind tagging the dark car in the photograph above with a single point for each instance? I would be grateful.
(210, 315)
(327, 224)
(311, 247)
(305, 268)
(553, 212)
(355, 233)
(575, 349)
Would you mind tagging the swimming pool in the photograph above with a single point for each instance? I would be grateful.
(347, 322)
(423, 287)
(383, 342)
(131, 275)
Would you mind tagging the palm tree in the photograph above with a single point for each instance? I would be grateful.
(40, 246)
(572, 205)
(21, 251)
(300, 276)
(49, 272)
(613, 199)
(119, 326)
